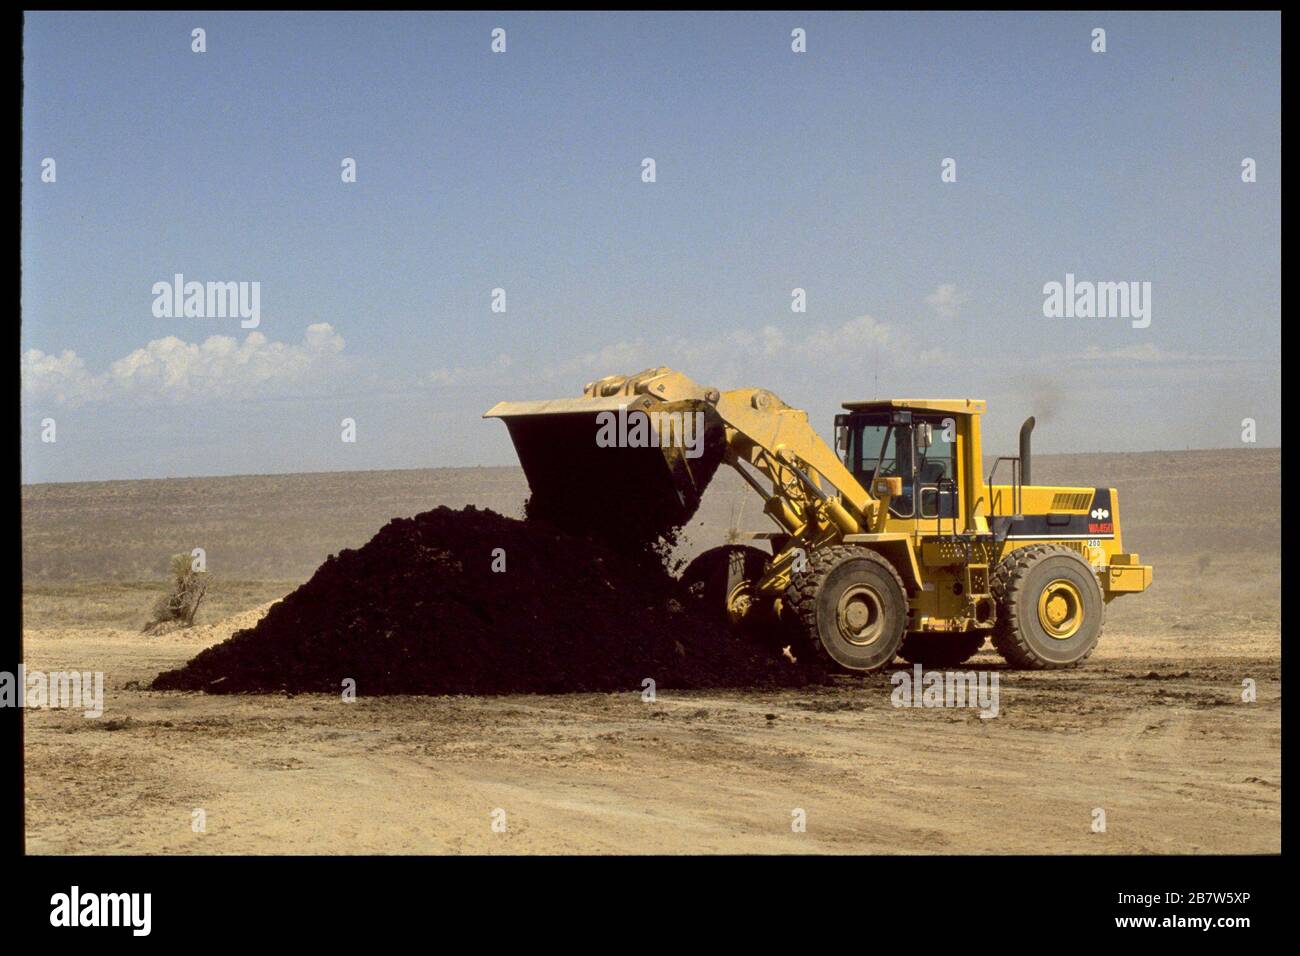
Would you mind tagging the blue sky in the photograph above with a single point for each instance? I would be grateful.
(522, 171)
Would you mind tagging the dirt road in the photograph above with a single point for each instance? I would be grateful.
(1152, 731)
(1166, 748)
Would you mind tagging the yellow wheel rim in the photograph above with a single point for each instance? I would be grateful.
(860, 615)
(739, 602)
(1060, 609)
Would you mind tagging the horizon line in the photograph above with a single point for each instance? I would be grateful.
(517, 467)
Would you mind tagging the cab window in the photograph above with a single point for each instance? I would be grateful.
(936, 471)
(875, 448)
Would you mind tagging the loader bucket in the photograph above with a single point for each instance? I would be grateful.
(589, 475)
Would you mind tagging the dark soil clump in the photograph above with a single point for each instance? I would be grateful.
(420, 610)
(633, 499)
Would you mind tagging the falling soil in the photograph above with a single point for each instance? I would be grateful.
(632, 498)
(431, 606)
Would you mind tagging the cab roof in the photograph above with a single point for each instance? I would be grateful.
(952, 406)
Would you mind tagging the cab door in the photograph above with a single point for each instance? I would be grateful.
(939, 475)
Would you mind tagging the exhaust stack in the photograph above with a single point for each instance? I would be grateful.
(1025, 431)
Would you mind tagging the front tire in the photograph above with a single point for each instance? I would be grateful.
(1050, 608)
(852, 605)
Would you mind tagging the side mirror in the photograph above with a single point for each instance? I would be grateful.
(924, 435)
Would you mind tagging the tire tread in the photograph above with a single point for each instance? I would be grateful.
(1008, 591)
(801, 595)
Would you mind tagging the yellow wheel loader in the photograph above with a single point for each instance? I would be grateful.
(891, 543)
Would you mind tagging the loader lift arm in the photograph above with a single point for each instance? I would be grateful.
(807, 490)
(761, 434)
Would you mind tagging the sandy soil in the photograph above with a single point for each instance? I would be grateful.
(1152, 730)
(1164, 745)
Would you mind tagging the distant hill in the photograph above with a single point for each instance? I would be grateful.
(280, 527)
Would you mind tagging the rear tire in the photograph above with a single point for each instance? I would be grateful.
(852, 605)
(1050, 608)
(940, 650)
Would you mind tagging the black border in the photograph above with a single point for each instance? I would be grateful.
(940, 901)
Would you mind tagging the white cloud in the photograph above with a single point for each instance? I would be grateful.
(1145, 353)
(620, 358)
(854, 340)
(770, 352)
(172, 371)
(62, 379)
(946, 301)
(476, 375)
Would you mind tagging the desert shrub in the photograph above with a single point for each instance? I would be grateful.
(181, 603)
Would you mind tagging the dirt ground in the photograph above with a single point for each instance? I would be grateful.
(1152, 731)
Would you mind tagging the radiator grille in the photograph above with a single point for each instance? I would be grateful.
(1071, 500)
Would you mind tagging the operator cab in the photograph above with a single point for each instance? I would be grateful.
(910, 439)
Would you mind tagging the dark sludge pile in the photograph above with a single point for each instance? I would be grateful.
(420, 610)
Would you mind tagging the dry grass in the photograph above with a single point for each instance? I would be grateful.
(126, 604)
